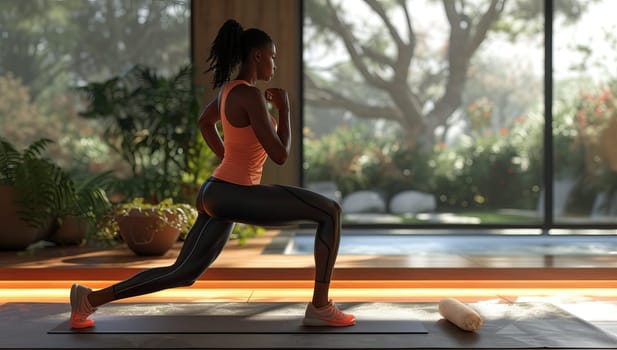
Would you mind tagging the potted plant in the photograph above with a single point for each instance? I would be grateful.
(149, 229)
(80, 209)
(31, 188)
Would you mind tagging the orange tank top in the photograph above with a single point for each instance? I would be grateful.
(244, 155)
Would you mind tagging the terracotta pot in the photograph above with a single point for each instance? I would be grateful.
(73, 230)
(147, 234)
(16, 234)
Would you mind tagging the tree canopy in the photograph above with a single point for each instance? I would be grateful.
(55, 43)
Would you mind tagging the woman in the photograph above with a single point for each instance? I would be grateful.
(233, 193)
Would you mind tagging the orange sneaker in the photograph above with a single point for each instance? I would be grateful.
(328, 315)
(80, 307)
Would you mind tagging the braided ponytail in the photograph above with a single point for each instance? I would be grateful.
(231, 47)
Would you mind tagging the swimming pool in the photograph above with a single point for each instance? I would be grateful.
(301, 242)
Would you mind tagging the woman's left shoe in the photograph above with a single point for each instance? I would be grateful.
(80, 307)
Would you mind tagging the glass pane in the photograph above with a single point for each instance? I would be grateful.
(585, 119)
(51, 47)
(425, 112)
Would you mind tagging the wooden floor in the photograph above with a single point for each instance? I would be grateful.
(247, 265)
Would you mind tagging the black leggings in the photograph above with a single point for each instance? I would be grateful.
(220, 204)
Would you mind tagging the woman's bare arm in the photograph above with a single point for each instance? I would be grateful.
(276, 143)
(207, 125)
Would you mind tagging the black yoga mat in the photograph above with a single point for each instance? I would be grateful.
(251, 325)
(203, 324)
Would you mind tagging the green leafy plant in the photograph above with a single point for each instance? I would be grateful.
(41, 185)
(88, 198)
(152, 124)
(243, 232)
(488, 173)
(355, 159)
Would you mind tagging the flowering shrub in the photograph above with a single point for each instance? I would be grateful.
(488, 172)
(479, 114)
(491, 170)
(595, 114)
(595, 123)
(356, 160)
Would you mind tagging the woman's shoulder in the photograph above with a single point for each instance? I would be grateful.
(239, 85)
(238, 82)
(243, 94)
(243, 89)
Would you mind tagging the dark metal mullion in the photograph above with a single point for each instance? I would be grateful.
(300, 119)
(548, 118)
(191, 34)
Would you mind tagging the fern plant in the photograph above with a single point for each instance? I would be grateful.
(38, 182)
(10, 160)
(89, 197)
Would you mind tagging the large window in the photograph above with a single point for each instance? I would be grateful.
(584, 114)
(48, 48)
(433, 112)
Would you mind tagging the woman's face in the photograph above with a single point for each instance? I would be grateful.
(266, 65)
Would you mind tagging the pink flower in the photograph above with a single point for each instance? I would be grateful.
(605, 95)
(520, 119)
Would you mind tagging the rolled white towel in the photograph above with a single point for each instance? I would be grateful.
(460, 314)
